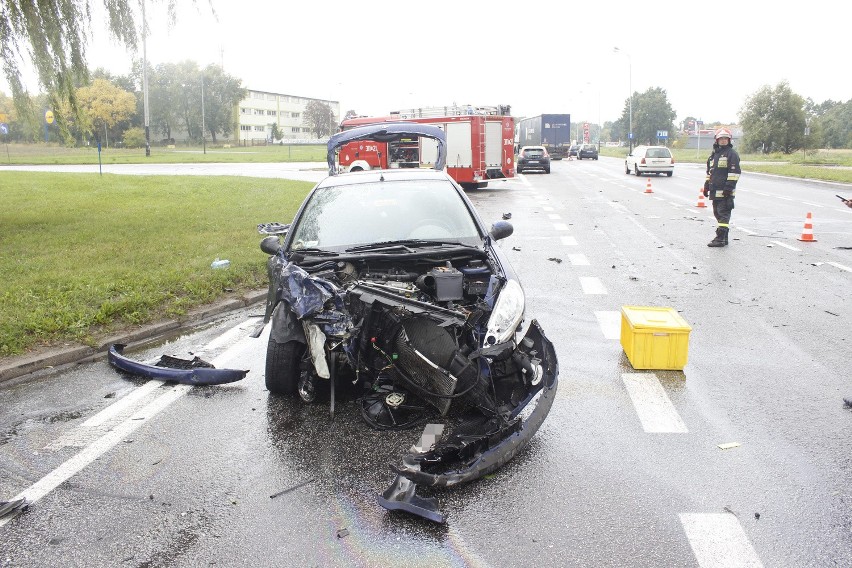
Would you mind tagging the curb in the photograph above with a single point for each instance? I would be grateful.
(26, 364)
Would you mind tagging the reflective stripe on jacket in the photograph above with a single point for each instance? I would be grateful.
(723, 170)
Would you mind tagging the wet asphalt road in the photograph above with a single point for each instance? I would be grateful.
(626, 470)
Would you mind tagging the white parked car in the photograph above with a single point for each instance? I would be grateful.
(649, 160)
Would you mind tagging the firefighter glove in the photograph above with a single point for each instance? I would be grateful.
(706, 192)
(726, 193)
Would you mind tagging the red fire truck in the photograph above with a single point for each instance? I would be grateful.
(480, 144)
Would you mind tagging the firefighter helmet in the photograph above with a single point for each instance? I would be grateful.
(723, 133)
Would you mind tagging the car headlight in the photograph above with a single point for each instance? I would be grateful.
(506, 315)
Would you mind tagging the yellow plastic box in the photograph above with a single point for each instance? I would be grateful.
(654, 338)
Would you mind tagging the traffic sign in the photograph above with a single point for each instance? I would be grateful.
(48, 117)
(4, 128)
(662, 133)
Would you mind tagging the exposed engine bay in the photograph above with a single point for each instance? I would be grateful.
(425, 339)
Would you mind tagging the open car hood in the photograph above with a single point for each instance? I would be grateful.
(388, 133)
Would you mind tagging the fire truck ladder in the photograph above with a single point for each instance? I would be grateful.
(453, 110)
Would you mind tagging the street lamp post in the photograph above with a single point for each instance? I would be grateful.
(203, 133)
(145, 82)
(630, 99)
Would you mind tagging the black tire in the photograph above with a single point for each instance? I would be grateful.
(520, 170)
(547, 170)
(669, 174)
(283, 362)
(637, 172)
(626, 168)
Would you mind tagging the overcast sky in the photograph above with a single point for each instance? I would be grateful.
(539, 57)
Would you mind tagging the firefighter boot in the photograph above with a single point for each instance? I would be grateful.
(721, 239)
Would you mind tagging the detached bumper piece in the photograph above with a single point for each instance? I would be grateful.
(478, 447)
(16, 506)
(174, 369)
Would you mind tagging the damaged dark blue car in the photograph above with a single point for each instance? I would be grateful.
(390, 278)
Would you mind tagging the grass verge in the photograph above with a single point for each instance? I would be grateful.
(83, 255)
(43, 154)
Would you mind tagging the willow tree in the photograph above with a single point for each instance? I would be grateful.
(53, 34)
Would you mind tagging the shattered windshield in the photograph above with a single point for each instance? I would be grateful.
(347, 215)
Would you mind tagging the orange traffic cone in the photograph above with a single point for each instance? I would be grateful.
(701, 198)
(648, 187)
(808, 231)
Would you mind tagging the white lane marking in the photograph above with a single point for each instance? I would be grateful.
(675, 204)
(750, 232)
(97, 425)
(548, 208)
(569, 241)
(719, 541)
(578, 259)
(785, 245)
(840, 266)
(784, 198)
(231, 335)
(592, 285)
(610, 323)
(527, 183)
(560, 227)
(812, 204)
(554, 216)
(91, 428)
(93, 451)
(653, 406)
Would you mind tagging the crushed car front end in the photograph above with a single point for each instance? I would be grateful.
(404, 291)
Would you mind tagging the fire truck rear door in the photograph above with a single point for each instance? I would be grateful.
(459, 153)
(493, 144)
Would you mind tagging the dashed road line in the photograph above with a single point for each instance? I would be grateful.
(578, 259)
(719, 541)
(653, 406)
(610, 324)
(785, 245)
(560, 227)
(592, 285)
(840, 266)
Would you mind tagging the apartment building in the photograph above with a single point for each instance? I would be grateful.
(256, 114)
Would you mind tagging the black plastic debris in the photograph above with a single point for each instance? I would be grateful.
(289, 489)
(556, 260)
(342, 533)
(15, 506)
(848, 402)
(174, 369)
(507, 215)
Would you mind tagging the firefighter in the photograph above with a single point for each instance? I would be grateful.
(723, 172)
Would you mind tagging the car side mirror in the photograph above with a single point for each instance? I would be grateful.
(501, 230)
(270, 245)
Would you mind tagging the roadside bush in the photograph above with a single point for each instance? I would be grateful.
(134, 138)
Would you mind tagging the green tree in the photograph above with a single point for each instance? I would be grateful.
(320, 118)
(652, 112)
(774, 119)
(834, 120)
(221, 93)
(134, 138)
(105, 105)
(276, 132)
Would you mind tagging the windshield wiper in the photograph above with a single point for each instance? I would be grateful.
(309, 251)
(405, 245)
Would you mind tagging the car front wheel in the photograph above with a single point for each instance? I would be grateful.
(626, 168)
(283, 362)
